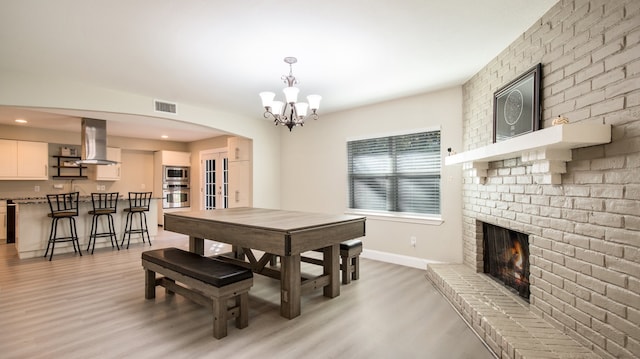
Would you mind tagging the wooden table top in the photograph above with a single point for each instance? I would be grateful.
(269, 219)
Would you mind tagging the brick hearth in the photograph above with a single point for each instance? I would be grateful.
(501, 318)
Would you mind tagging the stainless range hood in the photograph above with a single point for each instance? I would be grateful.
(94, 143)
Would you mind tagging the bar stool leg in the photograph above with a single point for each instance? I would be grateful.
(74, 235)
(146, 228)
(91, 234)
(127, 230)
(112, 230)
(52, 234)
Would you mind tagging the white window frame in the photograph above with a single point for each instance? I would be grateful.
(405, 217)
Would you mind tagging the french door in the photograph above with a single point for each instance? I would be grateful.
(215, 179)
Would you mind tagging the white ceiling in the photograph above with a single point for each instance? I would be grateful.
(221, 54)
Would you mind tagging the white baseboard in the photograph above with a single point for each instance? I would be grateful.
(406, 261)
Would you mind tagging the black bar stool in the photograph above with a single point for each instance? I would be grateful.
(104, 205)
(63, 206)
(138, 204)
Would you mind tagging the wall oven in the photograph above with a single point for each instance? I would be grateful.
(175, 187)
(176, 198)
(175, 174)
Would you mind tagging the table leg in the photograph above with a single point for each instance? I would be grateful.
(196, 245)
(332, 268)
(290, 286)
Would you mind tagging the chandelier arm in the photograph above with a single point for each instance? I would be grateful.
(314, 115)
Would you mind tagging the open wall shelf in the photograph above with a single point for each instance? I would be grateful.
(68, 171)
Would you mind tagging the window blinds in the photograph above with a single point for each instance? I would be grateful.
(395, 173)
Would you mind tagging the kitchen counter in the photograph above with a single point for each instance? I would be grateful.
(43, 199)
(33, 225)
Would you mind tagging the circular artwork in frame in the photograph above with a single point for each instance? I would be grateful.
(516, 106)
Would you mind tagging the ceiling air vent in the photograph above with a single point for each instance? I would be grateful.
(166, 107)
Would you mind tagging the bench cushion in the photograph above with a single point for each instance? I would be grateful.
(208, 270)
(351, 243)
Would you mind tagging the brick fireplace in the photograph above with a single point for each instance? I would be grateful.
(584, 231)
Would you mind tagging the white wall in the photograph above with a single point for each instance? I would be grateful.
(314, 170)
(27, 90)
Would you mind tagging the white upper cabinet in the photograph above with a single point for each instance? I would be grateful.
(9, 159)
(175, 158)
(24, 160)
(112, 172)
(239, 149)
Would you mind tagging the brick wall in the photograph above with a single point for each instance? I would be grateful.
(585, 232)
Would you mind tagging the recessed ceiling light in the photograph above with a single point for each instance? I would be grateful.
(20, 120)
(164, 136)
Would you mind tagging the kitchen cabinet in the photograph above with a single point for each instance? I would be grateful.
(239, 149)
(174, 158)
(240, 184)
(110, 172)
(24, 160)
(240, 172)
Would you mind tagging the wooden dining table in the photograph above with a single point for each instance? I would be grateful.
(286, 234)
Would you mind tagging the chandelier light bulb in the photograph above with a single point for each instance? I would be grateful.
(291, 94)
(276, 107)
(290, 113)
(314, 101)
(301, 108)
(267, 98)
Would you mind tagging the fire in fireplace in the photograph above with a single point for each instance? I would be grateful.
(506, 257)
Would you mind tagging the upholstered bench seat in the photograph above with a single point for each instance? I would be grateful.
(206, 281)
(209, 270)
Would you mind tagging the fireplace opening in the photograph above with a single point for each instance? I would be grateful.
(506, 257)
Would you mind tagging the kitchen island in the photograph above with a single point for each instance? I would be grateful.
(33, 226)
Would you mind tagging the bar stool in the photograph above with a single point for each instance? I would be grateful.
(104, 205)
(63, 206)
(138, 204)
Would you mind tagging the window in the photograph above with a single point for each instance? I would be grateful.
(396, 173)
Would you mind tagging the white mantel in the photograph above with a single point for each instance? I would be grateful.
(547, 151)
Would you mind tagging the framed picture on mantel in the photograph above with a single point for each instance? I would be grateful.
(516, 106)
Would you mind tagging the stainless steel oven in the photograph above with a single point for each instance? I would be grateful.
(176, 198)
(175, 174)
(176, 194)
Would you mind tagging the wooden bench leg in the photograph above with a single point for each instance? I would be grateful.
(356, 268)
(149, 284)
(350, 267)
(219, 317)
(242, 302)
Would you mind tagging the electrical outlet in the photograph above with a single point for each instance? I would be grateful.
(58, 186)
(412, 240)
(97, 187)
(36, 188)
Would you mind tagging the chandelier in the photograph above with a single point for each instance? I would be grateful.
(290, 113)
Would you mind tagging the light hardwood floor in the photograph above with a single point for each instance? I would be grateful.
(93, 307)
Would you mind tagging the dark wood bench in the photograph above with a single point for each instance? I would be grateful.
(206, 281)
(349, 260)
